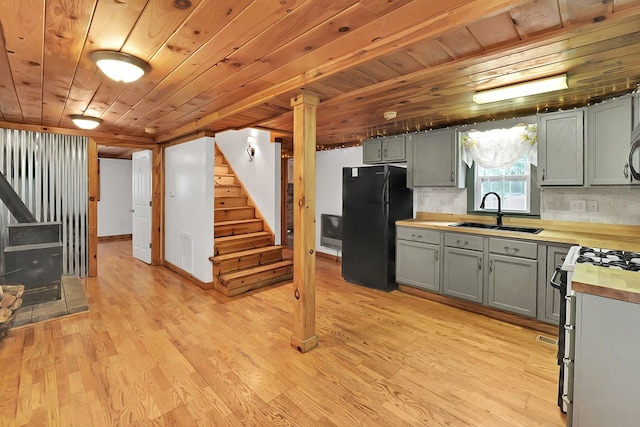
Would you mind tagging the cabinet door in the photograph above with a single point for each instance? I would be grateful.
(418, 264)
(372, 151)
(608, 136)
(434, 158)
(636, 110)
(552, 300)
(512, 284)
(394, 149)
(463, 274)
(561, 148)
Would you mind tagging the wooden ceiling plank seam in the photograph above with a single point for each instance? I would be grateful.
(169, 54)
(181, 96)
(10, 106)
(67, 25)
(468, 13)
(533, 18)
(487, 59)
(201, 73)
(110, 26)
(25, 20)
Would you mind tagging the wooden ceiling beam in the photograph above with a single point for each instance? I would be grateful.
(443, 18)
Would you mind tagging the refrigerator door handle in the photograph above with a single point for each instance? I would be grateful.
(384, 200)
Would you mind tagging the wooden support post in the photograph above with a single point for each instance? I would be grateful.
(92, 214)
(304, 336)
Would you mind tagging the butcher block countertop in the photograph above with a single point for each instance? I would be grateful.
(607, 282)
(610, 236)
(600, 281)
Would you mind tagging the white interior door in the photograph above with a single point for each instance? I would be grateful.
(141, 185)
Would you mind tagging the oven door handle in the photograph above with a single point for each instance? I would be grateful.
(556, 273)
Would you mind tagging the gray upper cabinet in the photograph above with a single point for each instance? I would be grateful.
(434, 159)
(384, 150)
(561, 148)
(608, 135)
(513, 276)
(418, 258)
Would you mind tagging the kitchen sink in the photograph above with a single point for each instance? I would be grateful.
(529, 230)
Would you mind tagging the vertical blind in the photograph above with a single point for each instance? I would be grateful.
(50, 174)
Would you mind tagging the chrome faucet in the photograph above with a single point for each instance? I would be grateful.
(499, 215)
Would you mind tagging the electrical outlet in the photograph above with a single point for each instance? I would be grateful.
(578, 205)
(592, 206)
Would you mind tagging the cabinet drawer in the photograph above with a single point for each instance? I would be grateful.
(416, 234)
(513, 248)
(463, 241)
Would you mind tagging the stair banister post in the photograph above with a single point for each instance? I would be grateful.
(304, 336)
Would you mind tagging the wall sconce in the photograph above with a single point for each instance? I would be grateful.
(85, 122)
(120, 66)
(532, 87)
(251, 151)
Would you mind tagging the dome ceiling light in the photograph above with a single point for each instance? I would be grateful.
(85, 122)
(120, 66)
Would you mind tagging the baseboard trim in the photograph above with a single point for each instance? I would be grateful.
(189, 276)
(114, 238)
(514, 319)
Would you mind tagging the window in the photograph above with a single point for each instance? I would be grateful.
(512, 183)
(501, 161)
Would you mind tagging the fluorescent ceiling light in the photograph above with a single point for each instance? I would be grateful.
(85, 122)
(533, 87)
(120, 66)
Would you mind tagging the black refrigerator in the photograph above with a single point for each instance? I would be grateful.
(373, 199)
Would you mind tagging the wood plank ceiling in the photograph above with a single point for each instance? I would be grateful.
(229, 64)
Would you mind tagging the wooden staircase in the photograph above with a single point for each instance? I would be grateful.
(245, 257)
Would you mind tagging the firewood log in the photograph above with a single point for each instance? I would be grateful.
(16, 304)
(15, 290)
(5, 313)
(7, 300)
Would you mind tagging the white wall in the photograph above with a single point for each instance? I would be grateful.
(261, 177)
(189, 207)
(114, 206)
(329, 166)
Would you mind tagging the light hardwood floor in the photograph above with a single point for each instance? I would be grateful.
(155, 349)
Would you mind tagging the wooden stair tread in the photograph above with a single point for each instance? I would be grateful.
(237, 221)
(249, 236)
(255, 270)
(227, 185)
(234, 208)
(232, 255)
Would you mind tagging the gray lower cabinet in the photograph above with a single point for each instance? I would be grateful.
(463, 266)
(513, 284)
(552, 300)
(608, 134)
(418, 258)
(606, 382)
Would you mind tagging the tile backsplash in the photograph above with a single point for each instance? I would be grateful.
(615, 205)
(441, 200)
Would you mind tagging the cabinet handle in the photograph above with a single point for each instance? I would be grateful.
(479, 264)
(418, 236)
(452, 177)
(543, 174)
(562, 258)
(379, 152)
(385, 152)
(509, 249)
(436, 254)
(462, 242)
(490, 265)
(626, 170)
